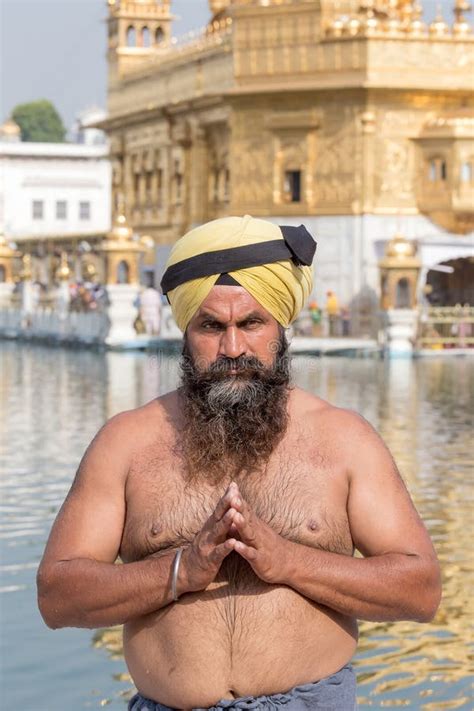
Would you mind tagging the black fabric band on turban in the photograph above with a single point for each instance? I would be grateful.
(297, 244)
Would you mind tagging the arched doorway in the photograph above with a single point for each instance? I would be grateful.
(402, 296)
(123, 272)
(453, 283)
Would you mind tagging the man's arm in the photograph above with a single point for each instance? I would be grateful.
(78, 583)
(398, 578)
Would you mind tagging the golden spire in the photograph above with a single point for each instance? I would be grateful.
(461, 26)
(417, 26)
(438, 27)
(121, 232)
(369, 23)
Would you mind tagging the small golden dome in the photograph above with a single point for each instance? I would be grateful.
(352, 26)
(336, 28)
(370, 23)
(121, 232)
(217, 6)
(400, 247)
(416, 26)
(438, 27)
(461, 27)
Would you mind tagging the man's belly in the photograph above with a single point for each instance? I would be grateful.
(215, 645)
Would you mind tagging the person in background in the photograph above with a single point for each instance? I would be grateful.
(332, 310)
(316, 316)
(150, 310)
(345, 321)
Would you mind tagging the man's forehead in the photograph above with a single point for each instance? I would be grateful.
(230, 302)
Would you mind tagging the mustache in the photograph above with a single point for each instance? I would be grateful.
(223, 367)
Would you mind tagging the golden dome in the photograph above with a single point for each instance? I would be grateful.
(461, 27)
(400, 247)
(416, 26)
(120, 238)
(439, 27)
(217, 6)
(121, 232)
(336, 27)
(352, 26)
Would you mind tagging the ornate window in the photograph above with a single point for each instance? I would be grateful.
(292, 186)
(178, 183)
(226, 183)
(146, 37)
(159, 187)
(437, 170)
(123, 272)
(402, 298)
(466, 172)
(148, 187)
(131, 37)
(159, 35)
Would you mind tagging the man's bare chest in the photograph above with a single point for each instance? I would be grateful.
(301, 496)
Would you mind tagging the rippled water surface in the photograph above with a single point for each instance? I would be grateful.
(54, 401)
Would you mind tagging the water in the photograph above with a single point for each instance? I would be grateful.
(54, 401)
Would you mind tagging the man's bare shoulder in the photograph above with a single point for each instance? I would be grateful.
(345, 423)
(140, 425)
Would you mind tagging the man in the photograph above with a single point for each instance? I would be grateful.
(236, 503)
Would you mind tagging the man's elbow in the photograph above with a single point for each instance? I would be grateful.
(49, 599)
(430, 592)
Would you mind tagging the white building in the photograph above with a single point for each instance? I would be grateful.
(52, 190)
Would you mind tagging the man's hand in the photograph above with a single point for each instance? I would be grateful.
(201, 561)
(259, 544)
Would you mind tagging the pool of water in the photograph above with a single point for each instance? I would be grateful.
(52, 403)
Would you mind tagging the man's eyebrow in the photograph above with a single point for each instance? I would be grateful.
(206, 315)
(250, 316)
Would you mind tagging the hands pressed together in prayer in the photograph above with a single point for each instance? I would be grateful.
(233, 527)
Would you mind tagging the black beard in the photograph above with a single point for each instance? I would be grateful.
(232, 422)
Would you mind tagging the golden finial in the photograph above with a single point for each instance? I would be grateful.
(399, 247)
(120, 232)
(63, 272)
(438, 27)
(461, 26)
(417, 26)
(369, 22)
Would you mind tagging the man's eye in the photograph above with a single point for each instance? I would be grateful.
(210, 325)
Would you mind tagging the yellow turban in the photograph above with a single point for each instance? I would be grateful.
(272, 263)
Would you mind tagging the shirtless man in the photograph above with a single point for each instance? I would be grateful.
(236, 503)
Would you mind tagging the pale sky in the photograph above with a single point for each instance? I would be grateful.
(55, 49)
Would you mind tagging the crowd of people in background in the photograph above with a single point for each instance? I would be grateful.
(338, 317)
(88, 296)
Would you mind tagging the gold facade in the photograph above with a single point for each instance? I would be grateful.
(291, 108)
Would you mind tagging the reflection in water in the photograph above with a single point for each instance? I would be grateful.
(55, 401)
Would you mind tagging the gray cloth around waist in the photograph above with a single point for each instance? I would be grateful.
(334, 693)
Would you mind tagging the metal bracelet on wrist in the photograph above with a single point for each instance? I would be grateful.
(174, 575)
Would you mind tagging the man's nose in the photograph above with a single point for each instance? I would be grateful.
(232, 343)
